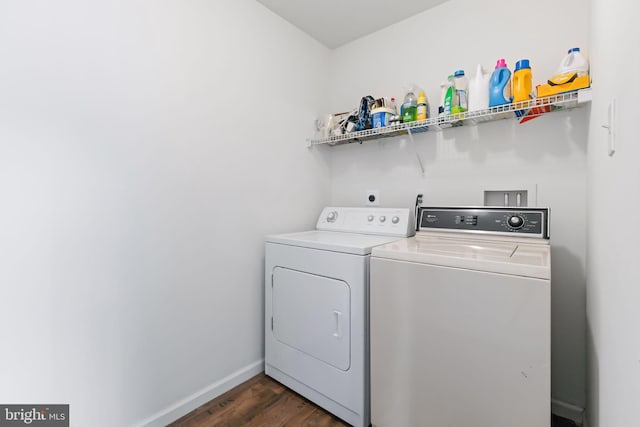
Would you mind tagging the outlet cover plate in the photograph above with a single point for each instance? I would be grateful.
(373, 198)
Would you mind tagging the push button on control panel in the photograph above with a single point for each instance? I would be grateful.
(466, 220)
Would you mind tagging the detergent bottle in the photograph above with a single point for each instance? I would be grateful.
(422, 111)
(522, 84)
(448, 97)
(409, 107)
(393, 106)
(500, 85)
(461, 86)
(479, 90)
(573, 65)
(573, 74)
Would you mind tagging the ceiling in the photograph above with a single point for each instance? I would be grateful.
(336, 22)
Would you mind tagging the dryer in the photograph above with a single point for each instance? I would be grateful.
(317, 306)
(460, 321)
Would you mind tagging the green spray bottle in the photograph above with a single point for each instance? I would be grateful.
(448, 97)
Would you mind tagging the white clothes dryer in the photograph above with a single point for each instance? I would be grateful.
(460, 321)
(317, 306)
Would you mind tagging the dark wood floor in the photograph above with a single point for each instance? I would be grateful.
(259, 402)
(264, 402)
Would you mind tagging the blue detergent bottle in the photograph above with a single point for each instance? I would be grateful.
(500, 85)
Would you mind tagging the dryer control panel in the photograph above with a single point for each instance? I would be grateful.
(379, 221)
(525, 222)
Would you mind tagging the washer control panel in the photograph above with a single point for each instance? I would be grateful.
(525, 222)
(381, 221)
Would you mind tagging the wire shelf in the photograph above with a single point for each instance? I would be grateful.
(523, 111)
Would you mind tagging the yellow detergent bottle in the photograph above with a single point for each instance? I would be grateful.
(522, 81)
(422, 112)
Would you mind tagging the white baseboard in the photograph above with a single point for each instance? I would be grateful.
(197, 399)
(568, 411)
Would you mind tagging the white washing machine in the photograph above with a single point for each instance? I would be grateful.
(460, 321)
(317, 306)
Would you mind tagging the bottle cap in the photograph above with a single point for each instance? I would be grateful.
(501, 63)
(523, 63)
(574, 49)
(459, 73)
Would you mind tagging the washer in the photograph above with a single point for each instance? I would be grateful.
(317, 306)
(460, 321)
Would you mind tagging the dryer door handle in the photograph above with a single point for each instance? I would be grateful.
(337, 314)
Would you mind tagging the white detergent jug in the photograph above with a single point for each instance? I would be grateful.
(479, 90)
(574, 65)
(574, 62)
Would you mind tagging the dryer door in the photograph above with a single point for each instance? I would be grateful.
(311, 314)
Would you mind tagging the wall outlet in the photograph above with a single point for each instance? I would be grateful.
(373, 198)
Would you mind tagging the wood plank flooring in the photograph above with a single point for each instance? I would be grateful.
(259, 402)
(264, 402)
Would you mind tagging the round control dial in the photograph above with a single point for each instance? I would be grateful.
(370, 218)
(332, 216)
(515, 221)
(395, 220)
(383, 218)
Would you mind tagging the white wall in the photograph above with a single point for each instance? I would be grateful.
(548, 153)
(614, 198)
(146, 148)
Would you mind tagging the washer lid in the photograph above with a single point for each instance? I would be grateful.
(496, 255)
(335, 241)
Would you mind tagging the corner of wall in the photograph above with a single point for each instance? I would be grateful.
(210, 392)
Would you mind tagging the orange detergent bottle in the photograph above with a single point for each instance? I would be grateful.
(522, 81)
